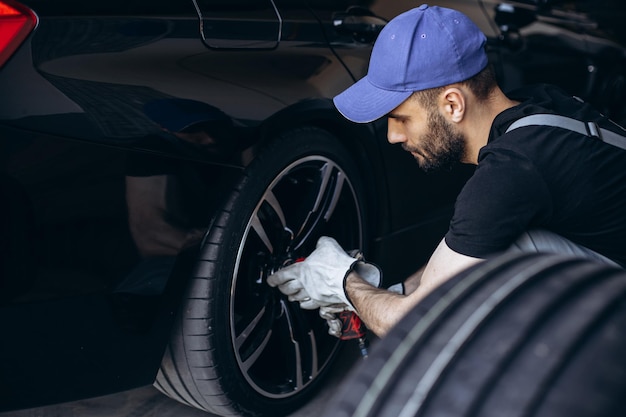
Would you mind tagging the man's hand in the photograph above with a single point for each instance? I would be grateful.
(329, 313)
(319, 280)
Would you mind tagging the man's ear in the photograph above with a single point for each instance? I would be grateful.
(452, 104)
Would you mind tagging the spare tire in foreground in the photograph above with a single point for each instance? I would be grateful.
(520, 335)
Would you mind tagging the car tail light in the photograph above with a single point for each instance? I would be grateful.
(16, 22)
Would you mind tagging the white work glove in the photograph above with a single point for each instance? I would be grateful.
(319, 280)
(397, 288)
(329, 313)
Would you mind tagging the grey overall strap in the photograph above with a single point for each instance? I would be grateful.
(584, 128)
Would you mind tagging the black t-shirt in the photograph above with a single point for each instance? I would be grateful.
(543, 177)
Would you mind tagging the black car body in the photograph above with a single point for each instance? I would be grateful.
(219, 112)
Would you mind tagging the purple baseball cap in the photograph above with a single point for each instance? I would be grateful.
(422, 48)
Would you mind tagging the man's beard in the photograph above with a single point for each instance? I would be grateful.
(441, 148)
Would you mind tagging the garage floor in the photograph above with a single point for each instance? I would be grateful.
(148, 402)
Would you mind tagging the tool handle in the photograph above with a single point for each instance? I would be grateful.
(353, 327)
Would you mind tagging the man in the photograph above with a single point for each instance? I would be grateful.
(536, 188)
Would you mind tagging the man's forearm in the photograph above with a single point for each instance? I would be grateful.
(379, 309)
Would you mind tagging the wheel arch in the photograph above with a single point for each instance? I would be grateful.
(362, 140)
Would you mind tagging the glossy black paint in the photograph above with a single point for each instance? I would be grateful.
(72, 120)
(72, 117)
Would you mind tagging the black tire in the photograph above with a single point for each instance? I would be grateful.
(520, 335)
(240, 347)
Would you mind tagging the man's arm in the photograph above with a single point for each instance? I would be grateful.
(380, 310)
(413, 281)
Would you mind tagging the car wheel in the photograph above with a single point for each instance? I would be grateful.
(240, 347)
(521, 335)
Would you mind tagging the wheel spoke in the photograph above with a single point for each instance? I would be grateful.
(301, 339)
(251, 342)
(299, 381)
(330, 186)
(304, 344)
(257, 226)
(271, 204)
(271, 199)
(244, 336)
(251, 359)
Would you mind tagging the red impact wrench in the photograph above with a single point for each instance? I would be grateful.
(351, 327)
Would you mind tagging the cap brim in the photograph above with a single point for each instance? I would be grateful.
(364, 102)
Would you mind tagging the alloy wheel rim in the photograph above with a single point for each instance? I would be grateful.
(281, 349)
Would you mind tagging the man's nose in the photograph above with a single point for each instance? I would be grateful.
(395, 135)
